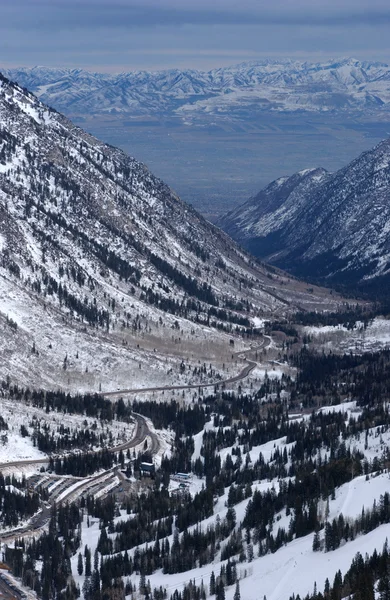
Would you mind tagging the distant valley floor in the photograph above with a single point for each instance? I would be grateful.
(218, 165)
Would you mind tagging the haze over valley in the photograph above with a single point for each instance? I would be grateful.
(217, 137)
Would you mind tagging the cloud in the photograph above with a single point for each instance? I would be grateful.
(137, 34)
(167, 13)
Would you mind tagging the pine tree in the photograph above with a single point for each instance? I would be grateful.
(142, 584)
(237, 595)
(87, 555)
(250, 553)
(220, 591)
(327, 588)
(384, 585)
(87, 589)
(212, 584)
(80, 564)
(337, 585)
(316, 541)
(95, 585)
(328, 537)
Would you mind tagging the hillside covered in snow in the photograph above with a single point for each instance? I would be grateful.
(274, 489)
(105, 272)
(331, 227)
(180, 421)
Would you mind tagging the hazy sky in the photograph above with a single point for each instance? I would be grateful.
(119, 35)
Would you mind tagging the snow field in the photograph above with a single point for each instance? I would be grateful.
(21, 448)
(294, 568)
(375, 337)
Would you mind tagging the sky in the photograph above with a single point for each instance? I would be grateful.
(127, 35)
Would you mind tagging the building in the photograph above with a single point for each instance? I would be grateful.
(184, 477)
(147, 469)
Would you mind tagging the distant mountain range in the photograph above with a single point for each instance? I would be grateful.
(231, 92)
(334, 228)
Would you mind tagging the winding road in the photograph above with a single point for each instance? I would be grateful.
(39, 521)
(141, 432)
(251, 364)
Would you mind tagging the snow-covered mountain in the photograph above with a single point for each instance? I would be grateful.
(334, 227)
(269, 85)
(96, 253)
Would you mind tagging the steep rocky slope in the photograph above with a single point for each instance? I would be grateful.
(333, 227)
(98, 257)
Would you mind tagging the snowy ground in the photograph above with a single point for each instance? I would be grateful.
(357, 494)
(14, 447)
(295, 568)
(35, 352)
(375, 337)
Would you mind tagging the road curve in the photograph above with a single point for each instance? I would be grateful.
(141, 432)
(242, 375)
(40, 519)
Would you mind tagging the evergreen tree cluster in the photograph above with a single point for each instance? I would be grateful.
(53, 581)
(90, 405)
(82, 464)
(65, 439)
(17, 501)
(366, 579)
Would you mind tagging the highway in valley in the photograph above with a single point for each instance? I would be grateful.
(251, 364)
(242, 375)
(68, 489)
(141, 432)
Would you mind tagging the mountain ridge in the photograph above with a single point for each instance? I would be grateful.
(92, 243)
(276, 85)
(326, 226)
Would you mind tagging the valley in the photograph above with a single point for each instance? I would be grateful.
(217, 137)
(328, 227)
(219, 164)
(179, 420)
(257, 456)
